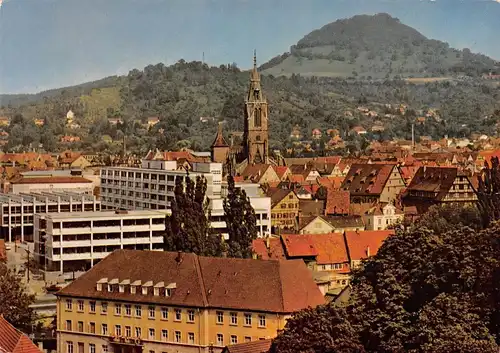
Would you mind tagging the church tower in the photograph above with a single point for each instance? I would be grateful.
(255, 136)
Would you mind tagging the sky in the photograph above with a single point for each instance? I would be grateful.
(55, 43)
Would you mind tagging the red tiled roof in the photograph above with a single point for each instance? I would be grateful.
(330, 182)
(280, 170)
(327, 248)
(296, 178)
(274, 252)
(49, 180)
(14, 341)
(337, 201)
(367, 179)
(360, 244)
(260, 346)
(255, 171)
(281, 286)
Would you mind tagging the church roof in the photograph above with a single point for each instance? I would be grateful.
(219, 139)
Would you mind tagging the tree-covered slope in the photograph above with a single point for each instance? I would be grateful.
(378, 46)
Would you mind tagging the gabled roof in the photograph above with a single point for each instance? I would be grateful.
(367, 179)
(281, 286)
(219, 138)
(280, 170)
(278, 194)
(326, 248)
(363, 244)
(260, 346)
(337, 202)
(312, 207)
(13, 340)
(434, 179)
(255, 171)
(273, 252)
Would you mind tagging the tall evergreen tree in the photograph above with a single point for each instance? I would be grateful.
(240, 221)
(188, 228)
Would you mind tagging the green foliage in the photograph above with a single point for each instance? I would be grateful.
(488, 192)
(240, 221)
(15, 300)
(188, 228)
(426, 290)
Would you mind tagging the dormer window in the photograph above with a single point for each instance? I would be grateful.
(132, 289)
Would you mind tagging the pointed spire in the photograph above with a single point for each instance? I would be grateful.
(219, 138)
(255, 59)
(255, 74)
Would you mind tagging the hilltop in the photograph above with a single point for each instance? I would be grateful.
(375, 47)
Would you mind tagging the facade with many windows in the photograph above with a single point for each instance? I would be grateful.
(152, 188)
(171, 302)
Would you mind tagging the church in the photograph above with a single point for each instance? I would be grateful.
(254, 149)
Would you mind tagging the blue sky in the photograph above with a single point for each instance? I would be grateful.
(52, 43)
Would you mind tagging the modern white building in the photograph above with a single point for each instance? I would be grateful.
(77, 241)
(28, 184)
(17, 210)
(152, 187)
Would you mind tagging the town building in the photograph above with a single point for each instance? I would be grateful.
(78, 240)
(260, 346)
(180, 302)
(438, 185)
(152, 188)
(369, 183)
(27, 184)
(17, 211)
(382, 216)
(284, 208)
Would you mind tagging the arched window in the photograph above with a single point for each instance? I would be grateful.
(258, 117)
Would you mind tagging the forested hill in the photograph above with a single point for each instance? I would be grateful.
(378, 46)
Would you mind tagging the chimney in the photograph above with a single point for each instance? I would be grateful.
(367, 251)
(178, 259)
(268, 243)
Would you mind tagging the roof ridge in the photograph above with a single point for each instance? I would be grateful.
(282, 296)
(201, 281)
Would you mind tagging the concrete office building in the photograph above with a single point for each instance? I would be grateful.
(152, 187)
(17, 210)
(77, 241)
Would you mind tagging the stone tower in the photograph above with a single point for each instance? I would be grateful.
(220, 149)
(256, 138)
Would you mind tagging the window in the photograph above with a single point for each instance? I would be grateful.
(80, 305)
(104, 307)
(164, 335)
(178, 315)
(151, 312)
(234, 318)
(178, 336)
(248, 339)
(69, 347)
(190, 315)
(138, 332)
(191, 337)
(262, 320)
(220, 339)
(92, 327)
(220, 317)
(91, 348)
(164, 313)
(128, 309)
(92, 306)
(104, 329)
(138, 311)
(151, 333)
(128, 331)
(104, 348)
(68, 325)
(118, 309)
(118, 330)
(69, 304)
(248, 319)
(234, 339)
(81, 347)
(80, 326)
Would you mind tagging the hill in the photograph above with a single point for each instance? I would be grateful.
(375, 47)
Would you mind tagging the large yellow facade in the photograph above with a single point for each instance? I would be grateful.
(81, 329)
(284, 213)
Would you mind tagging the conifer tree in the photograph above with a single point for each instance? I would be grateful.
(240, 221)
(188, 228)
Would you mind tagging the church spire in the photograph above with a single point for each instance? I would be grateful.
(219, 138)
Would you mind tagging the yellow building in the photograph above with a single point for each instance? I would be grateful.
(284, 208)
(139, 301)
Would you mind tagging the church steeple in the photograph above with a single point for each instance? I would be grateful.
(220, 148)
(256, 120)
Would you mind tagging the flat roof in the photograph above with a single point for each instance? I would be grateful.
(104, 214)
